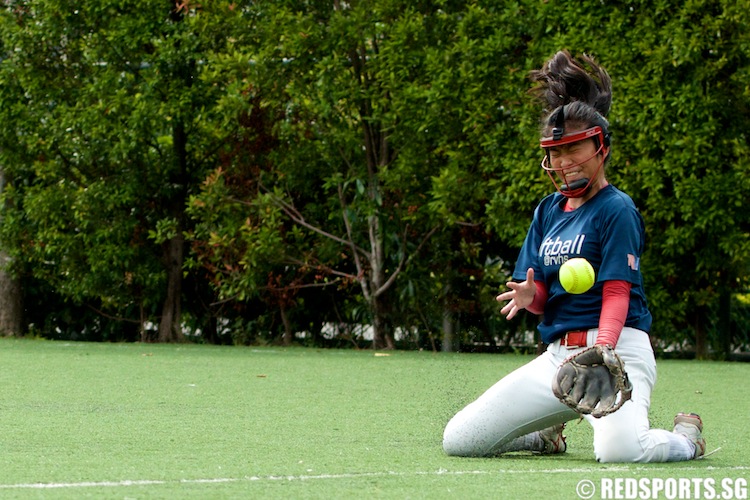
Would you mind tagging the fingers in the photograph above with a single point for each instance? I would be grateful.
(519, 293)
(508, 309)
(505, 296)
(510, 294)
(513, 310)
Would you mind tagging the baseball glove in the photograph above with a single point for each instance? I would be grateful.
(591, 381)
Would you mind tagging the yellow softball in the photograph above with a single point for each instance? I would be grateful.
(577, 275)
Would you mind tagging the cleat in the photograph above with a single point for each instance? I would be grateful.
(553, 439)
(690, 425)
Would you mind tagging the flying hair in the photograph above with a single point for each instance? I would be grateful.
(564, 79)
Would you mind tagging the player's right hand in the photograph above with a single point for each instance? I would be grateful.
(520, 295)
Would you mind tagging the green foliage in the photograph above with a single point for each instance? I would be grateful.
(381, 145)
(348, 162)
(96, 95)
(683, 118)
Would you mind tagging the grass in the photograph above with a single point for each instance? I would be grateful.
(85, 420)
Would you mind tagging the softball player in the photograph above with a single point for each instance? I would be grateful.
(590, 218)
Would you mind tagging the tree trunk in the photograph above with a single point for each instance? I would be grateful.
(170, 328)
(288, 334)
(11, 308)
(379, 306)
(449, 325)
(143, 320)
(382, 327)
(449, 330)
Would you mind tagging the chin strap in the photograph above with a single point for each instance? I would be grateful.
(576, 189)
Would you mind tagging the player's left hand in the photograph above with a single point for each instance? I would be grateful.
(593, 381)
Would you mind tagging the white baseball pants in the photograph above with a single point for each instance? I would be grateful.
(522, 402)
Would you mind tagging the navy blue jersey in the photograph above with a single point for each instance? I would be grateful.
(608, 231)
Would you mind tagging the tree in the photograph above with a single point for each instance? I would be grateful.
(110, 130)
(335, 174)
(380, 163)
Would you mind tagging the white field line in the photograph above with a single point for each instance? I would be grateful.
(439, 472)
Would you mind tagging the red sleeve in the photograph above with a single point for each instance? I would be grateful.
(540, 298)
(615, 303)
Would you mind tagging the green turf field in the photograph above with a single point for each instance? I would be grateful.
(83, 420)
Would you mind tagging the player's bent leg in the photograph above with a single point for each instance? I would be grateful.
(617, 441)
(509, 414)
(626, 436)
(685, 442)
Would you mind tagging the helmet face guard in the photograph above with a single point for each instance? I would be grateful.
(579, 187)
